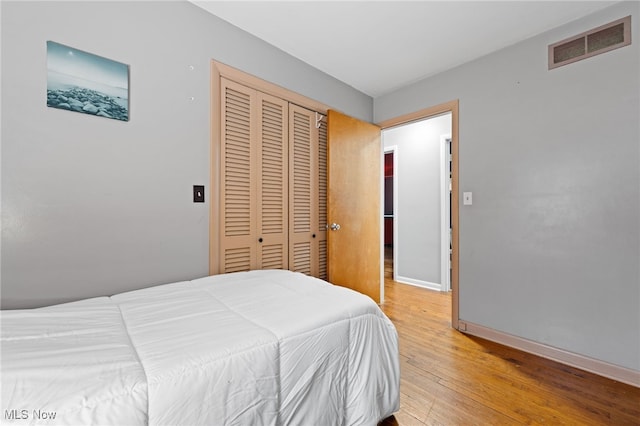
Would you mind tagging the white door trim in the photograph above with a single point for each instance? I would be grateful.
(453, 107)
(445, 208)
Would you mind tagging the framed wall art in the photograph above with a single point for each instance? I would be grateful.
(83, 82)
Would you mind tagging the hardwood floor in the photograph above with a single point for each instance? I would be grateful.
(449, 378)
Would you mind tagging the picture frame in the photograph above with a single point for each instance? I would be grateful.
(86, 83)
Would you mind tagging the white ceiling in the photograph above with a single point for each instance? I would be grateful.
(379, 46)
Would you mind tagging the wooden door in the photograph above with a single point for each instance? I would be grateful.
(253, 180)
(354, 175)
(308, 193)
(237, 177)
(322, 224)
(273, 183)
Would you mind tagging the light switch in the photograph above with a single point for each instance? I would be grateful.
(467, 198)
(198, 193)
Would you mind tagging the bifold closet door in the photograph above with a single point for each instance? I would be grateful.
(307, 193)
(322, 197)
(253, 180)
(273, 183)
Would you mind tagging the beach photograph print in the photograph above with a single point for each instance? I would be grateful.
(83, 82)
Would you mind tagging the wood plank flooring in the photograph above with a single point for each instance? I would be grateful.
(449, 378)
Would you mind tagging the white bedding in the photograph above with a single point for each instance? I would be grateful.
(251, 348)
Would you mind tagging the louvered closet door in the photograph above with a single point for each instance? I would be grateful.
(322, 224)
(253, 180)
(237, 178)
(307, 192)
(273, 183)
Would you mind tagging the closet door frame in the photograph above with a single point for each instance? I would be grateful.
(219, 70)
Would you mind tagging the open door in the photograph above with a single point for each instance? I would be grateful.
(354, 174)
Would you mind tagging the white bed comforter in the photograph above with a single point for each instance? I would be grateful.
(252, 348)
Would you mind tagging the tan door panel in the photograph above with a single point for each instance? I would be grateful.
(354, 169)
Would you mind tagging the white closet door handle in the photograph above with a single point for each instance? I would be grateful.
(335, 227)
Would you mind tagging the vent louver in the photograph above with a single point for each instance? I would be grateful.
(590, 43)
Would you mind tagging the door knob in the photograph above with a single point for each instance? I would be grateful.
(335, 226)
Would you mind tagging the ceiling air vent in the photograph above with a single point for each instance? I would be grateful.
(590, 43)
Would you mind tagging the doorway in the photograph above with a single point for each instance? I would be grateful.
(446, 260)
(421, 221)
(389, 203)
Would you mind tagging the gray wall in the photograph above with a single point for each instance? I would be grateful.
(417, 246)
(549, 250)
(93, 206)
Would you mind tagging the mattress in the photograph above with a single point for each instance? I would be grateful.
(251, 348)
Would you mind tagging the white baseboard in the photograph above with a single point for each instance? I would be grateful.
(601, 368)
(418, 283)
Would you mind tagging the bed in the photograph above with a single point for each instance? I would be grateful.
(251, 348)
